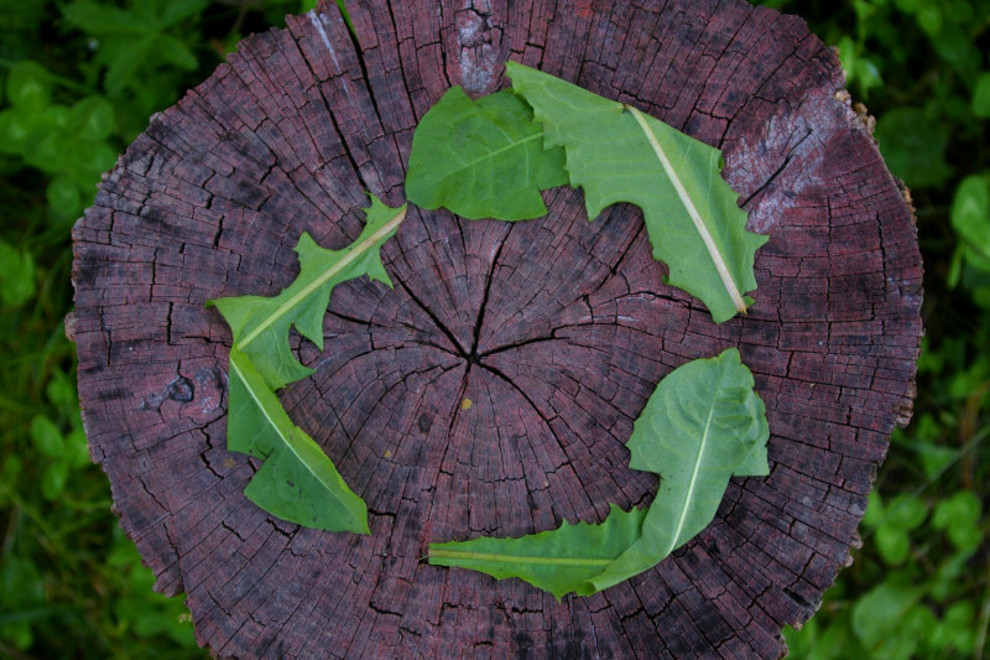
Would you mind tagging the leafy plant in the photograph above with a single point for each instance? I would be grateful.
(66, 142)
(136, 38)
(702, 425)
(18, 282)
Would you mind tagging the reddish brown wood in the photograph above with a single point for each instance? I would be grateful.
(556, 330)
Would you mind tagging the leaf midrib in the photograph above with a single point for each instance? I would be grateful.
(264, 411)
(274, 425)
(517, 559)
(352, 255)
(696, 470)
(699, 223)
(492, 154)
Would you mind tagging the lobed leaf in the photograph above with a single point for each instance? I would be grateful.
(618, 154)
(560, 561)
(261, 324)
(297, 481)
(482, 159)
(702, 425)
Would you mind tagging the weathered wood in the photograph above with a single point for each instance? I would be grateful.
(492, 390)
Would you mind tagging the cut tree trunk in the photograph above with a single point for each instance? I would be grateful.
(493, 389)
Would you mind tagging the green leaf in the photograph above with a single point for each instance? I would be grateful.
(700, 427)
(847, 57)
(297, 481)
(876, 512)
(971, 218)
(47, 437)
(16, 127)
(98, 19)
(91, 118)
(77, 449)
(913, 146)
(176, 11)
(981, 96)
(929, 17)
(53, 479)
(956, 631)
(879, 614)
(173, 50)
(63, 196)
(125, 56)
(29, 85)
(618, 154)
(893, 544)
(906, 512)
(560, 561)
(959, 515)
(261, 324)
(482, 159)
(61, 390)
(17, 278)
(85, 160)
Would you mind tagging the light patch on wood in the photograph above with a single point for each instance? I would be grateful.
(478, 58)
(316, 19)
(466, 403)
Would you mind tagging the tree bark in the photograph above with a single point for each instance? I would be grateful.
(492, 390)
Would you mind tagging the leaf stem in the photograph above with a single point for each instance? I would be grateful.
(517, 559)
(699, 459)
(352, 255)
(699, 223)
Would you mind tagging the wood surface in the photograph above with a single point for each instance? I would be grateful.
(492, 390)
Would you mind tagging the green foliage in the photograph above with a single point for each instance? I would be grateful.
(141, 39)
(18, 282)
(261, 325)
(297, 482)
(919, 587)
(560, 561)
(78, 81)
(68, 143)
(702, 425)
(915, 142)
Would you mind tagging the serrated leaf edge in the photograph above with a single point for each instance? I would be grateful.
(692, 210)
(353, 254)
(360, 525)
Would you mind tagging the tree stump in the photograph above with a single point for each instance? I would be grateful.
(492, 390)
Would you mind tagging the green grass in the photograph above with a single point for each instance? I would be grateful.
(78, 81)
